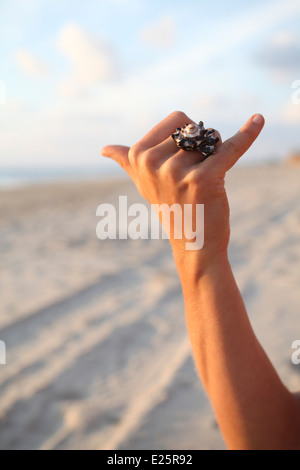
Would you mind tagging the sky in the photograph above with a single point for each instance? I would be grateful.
(75, 76)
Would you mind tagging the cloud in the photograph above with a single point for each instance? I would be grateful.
(73, 131)
(91, 59)
(30, 65)
(161, 33)
(240, 28)
(281, 56)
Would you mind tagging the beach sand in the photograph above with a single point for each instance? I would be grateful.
(97, 350)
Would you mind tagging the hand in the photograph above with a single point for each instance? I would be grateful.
(165, 174)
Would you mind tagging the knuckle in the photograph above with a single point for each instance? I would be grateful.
(192, 177)
(134, 153)
(163, 173)
(196, 179)
(179, 115)
(231, 147)
(247, 139)
(132, 159)
(169, 168)
(148, 160)
(183, 185)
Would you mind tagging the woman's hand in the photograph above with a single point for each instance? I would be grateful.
(253, 408)
(164, 174)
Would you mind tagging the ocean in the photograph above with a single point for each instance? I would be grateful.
(20, 176)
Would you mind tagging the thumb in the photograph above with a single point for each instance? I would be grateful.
(233, 148)
(119, 153)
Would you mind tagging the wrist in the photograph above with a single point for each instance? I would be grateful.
(192, 266)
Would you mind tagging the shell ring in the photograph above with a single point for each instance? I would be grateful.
(196, 137)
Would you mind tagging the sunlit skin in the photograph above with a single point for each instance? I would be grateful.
(253, 408)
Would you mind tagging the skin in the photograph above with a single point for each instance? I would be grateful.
(253, 408)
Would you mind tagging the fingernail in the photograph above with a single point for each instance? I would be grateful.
(258, 119)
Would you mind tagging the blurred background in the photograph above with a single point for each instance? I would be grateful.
(97, 352)
(81, 75)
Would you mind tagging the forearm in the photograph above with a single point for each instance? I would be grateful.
(253, 408)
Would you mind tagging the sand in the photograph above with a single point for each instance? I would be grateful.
(97, 351)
